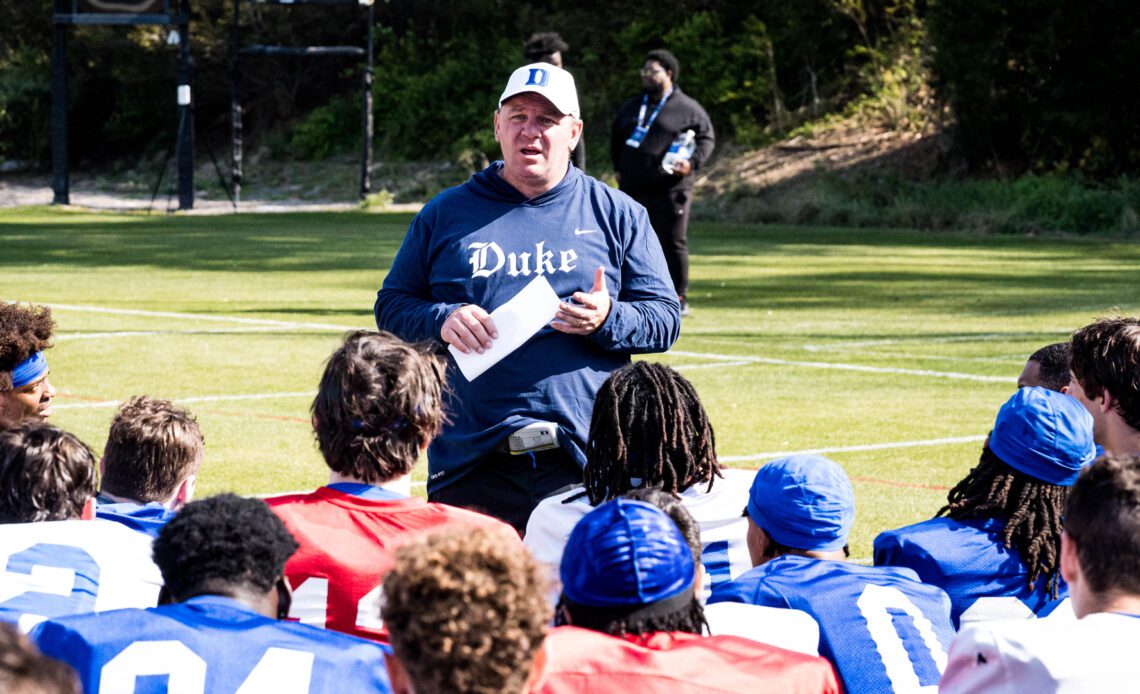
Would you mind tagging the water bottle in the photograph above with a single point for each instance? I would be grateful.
(680, 150)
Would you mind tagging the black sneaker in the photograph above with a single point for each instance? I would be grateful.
(684, 308)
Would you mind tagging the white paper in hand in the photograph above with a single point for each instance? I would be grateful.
(516, 321)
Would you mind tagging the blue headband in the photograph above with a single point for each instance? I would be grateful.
(1044, 434)
(803, 502)
(29, 371)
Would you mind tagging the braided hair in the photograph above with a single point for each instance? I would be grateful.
(1031, 509)
(648, 423)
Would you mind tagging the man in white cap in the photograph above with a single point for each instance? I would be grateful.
(517, 432)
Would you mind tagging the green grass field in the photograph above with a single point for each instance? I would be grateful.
(890, 351)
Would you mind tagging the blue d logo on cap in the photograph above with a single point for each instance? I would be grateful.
(538, 77)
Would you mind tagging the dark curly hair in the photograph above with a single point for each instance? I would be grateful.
(46, 474)
(668, 61)
(1053, 365)
(24, 330)
(1030, 508)
(224, 539)
(1102, 517)
(153, 445)
(1106, 356)
(648, 423)
(24, 670)
(542, 44)
(380, 401)
(466, 610)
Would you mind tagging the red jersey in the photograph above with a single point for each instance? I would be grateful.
(348, 543)
(579, 660)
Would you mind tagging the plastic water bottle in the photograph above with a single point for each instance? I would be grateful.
(680, 150)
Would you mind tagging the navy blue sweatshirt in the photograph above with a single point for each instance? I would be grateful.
(481, 243)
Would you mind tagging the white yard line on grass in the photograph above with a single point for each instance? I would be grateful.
(711, 365)
(844, 367)
(150, 333)
(842, 346)
(853, 449)
(203, 398)
(201, 316)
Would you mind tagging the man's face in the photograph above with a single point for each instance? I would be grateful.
(536, 140)
(32, 400)
(654, 77)
(1030, 375)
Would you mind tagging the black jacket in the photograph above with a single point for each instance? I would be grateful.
(640, 169)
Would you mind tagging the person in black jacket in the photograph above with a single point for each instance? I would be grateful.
(642, 132)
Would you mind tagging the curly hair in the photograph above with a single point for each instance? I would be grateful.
(466, 610)
(1053, 365)
(24, 330)
(224, 539)
(46, 474)
(667, 61)
(1031, 510)
(542, 44)
(380, 402)
(24, 670)
(151, 448)
(648, 423)
(1106, 356)
(1102, 517)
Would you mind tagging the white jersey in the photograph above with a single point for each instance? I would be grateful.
(1094, 654)
(724, 553)
(793, 630)
(59, 568)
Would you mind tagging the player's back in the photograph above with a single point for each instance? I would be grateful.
(209, 644)
(862, 612)
(724, 552)
(347, 545)
(579, 660)
(57, 568)
(985, 580)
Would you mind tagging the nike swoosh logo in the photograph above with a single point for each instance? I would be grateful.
(579, 232)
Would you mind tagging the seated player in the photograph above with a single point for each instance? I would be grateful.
(24, 670)
(634, 623)
(881, 627)
(996, 546)
(54, 558)
(219, 626)
(649, 429)
(791, 629)
(1106, 379)
(1100, 560)
(25, 392)
(378, 407)
(467, 612)
(1048, 367)
(150, 464)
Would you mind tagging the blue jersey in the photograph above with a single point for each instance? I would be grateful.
(882, 629)
(148, 518)
(985, 580)
(209, 644)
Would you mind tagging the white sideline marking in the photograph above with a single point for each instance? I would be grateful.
(845, 367)
(714, 365)
(201, 316)
(203, 398)
(920, 339)
(852, 449)
(151, 333)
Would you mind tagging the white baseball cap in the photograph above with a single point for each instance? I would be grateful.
(546, 80)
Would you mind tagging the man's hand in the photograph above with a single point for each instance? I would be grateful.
(469, 328)
(589, 310)
(683, 167)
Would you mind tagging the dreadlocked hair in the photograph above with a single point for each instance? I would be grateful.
(1031, 509)
(648, 423)
(689, 619)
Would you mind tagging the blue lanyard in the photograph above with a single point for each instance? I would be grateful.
(653, 116)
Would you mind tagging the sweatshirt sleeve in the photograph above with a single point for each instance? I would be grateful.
(645, 316)
(404, 304)
(705, 138)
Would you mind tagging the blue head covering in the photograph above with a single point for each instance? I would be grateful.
(1045, 434)
(626, 553)
(804, 502)
(30, 370)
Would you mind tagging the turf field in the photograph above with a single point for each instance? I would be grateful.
(888, 351)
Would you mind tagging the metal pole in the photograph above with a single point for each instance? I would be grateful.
(185, 115)
(60, 173)
(366, 167)
(235, 105)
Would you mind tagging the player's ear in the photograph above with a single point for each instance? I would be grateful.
(284, 597)
(88, 512)
(185, 492)
(397, 675)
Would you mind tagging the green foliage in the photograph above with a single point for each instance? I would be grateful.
(330, 129)
(25, 102)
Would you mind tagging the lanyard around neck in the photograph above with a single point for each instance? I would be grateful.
(645, 104)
